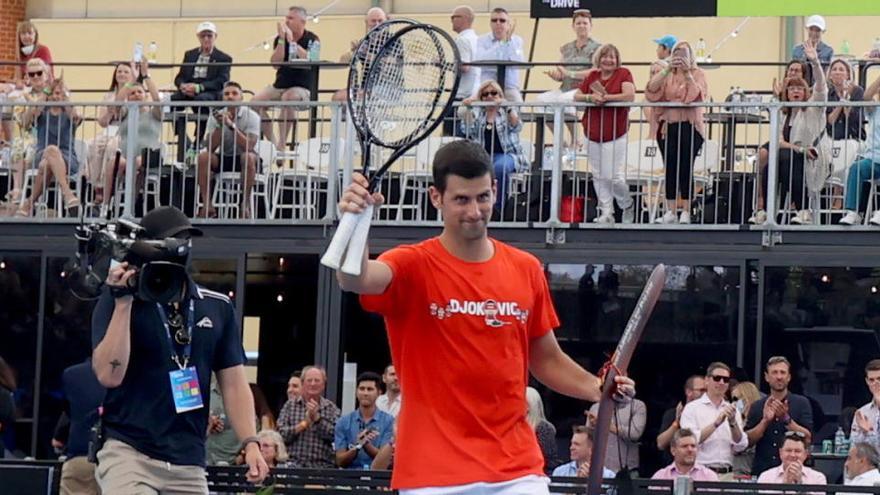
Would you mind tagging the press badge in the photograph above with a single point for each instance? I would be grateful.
(185, 389)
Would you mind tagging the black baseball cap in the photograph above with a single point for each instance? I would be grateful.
(167, 221)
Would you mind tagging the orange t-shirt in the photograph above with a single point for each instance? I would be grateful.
(459, 334)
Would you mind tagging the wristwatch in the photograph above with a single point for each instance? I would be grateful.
(355, 446)
(246, 441)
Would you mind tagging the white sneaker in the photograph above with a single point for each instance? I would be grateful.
(803, 217)
(668, 217)
(758, 218)
(851, 218)
(875, 218)
(629, 213)
(685, 217)
(606, 216)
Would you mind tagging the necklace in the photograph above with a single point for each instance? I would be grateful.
(175, 321)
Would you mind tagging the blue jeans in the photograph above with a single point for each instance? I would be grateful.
(860, 171)
(504, 164)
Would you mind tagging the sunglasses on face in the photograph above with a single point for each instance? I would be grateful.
(500, 20)
(721, 378)
(38, 73)
(489, 93)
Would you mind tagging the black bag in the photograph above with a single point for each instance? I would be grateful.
(96, 441)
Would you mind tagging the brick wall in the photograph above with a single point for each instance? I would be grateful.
(11, 12)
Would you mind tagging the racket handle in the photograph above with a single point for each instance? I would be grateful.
(333, 256)
(354, 257)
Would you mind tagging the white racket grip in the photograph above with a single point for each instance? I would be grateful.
(354, 257)
(333, 256)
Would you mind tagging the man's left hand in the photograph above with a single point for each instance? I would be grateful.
(257, 467)
(626, 388)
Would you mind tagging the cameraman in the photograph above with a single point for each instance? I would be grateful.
(156, 360)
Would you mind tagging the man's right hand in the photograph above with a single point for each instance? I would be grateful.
(119, 275)
(356, 196)
(312, 411)
(863, 423)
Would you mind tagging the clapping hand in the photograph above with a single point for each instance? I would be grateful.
(367, 436)
(555, 73)
(583, 471)
(794, 473)
(863, 423)
(312, 411)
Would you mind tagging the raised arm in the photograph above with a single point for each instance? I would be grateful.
(111, 355)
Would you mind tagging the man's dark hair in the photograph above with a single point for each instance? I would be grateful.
(679, 434)
(500, 10)
(774, 360)
(296, 374)
(873, 365)
(796, 436)
(369, 376)
(232, 83)
(463, 158)
(583, 429)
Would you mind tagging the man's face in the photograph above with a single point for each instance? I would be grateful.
(699, 388)
(814, 33)
(685, 451)
(313, 383)
(792, 451)
(295, 22)
(390, 379)
(778, 377)
(466, 205)
(872, 378)
(206, 40)
(232, 93)
(367, 393)
(663, 52)
(294, 387)
(581, 447)
(499, 22)
(374, 18)
(855, 465)
(460, 19)
(582, 26)
(718, 382)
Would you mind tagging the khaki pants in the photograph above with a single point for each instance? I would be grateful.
(124, 470)
(78, 477)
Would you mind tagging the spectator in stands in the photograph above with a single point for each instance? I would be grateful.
(201, 82)
(497, 128)
(361, 433)
(867, 168)
(55, 156)
(860, 468)
(501, 44)
(29, 47)
(680, 133)
(772, 416)
(265, 416)
(684, 459)
(844, 122)
(307, 424)
(221, 444)
(544, 430)
(744, 395)
(233, 133)
(606, 130)
(793, 452)
(627, 426)
(815, 27)
(867, 418)
(294, 385)
(7, 402)
(390, 401)
(580, 451)
(466, 41)
(665, 44)
(22, 149)
(694, 388)
(84, 396)
(291, 83)
(273, 449)
(147, 142)
(372, 18)
(579, 51)
(715, 423)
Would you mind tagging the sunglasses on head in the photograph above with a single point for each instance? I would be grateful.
(499, 19)
(795, 434)
(489, 93)
(38, 73)
(720, 378)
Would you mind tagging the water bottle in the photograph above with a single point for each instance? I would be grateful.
(292, 52)
(138, 53)
(840, 443)
(875, 48)
(701, 50)
(314, 50)
(152, 52)
(844, 48)
(549, 158)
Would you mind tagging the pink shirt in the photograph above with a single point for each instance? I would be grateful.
(777, 475)
(697, 473)
(676, 88)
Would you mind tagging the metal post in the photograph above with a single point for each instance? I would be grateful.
(333, 168)
(556, 174)
(683, 485)
(772, 166)
(133, 110)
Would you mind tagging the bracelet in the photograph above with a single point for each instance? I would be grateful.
(304, 424)
(588, 98)
(246, 441)
(664, 72)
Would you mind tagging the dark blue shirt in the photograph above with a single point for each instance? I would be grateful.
(140, 411)
(348, 428)
(84, 394)
(767, 447)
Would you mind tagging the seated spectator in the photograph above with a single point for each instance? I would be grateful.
(606, 130)
(307, 424)
(580, 51)
(221, 443)
(148, 139)
(744, 395)
(544, 430)
(501, 44)
(372, 18)
(580, 451)
(815, 27)
(233, 133)
(200, 83)
(844, 122)
(390, 401)
(29, 47)
(867, 168)
(867, 418)
(694, 388)
(384, 460)
(54, 156)
(794, 452)
(627, 426)
(684, 460)
(665, 44)
(294, 385)
(273, 450)
(361, 433)
(291, 83)
(860, 468)
(497, 128)
(22, 149)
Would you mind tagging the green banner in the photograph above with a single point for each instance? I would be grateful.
(737, 8)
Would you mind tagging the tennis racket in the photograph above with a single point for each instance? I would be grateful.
(406, 89)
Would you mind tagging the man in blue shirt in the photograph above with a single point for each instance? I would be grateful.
(581, 449)
(815, 26)
(360, 433)
(84, 397)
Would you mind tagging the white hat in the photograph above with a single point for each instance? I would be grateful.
(206, 26)
(816, 20)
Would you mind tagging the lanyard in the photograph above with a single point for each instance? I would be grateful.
(187, 349)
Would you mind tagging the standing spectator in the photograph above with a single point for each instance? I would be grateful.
(744, 395)
(860, 468)
(222, 445)
(466, 41)
(580, 450)
(665, 44)
(29, 47)
(606, 130)
(7, 402)
(694, 388)
(84, 395)
(793, 452)
(307, 424)
(772, 416)
(294, 385)
(684, 460)
(627, 425)
(815, 27)
(200, 82)
(544, 430)
(680, 133)
(361, 433)
(501, 44)
(390, 401)
(867, 167)
(867, 418)
(291, 83)
(844, 122)
(497, 129)
(233, 133)
(715, 423)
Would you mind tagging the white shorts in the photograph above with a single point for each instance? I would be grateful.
(527, 485)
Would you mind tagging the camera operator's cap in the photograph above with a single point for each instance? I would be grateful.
(667, 40)
(167, 221)
(206, 26)
(816, 21)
